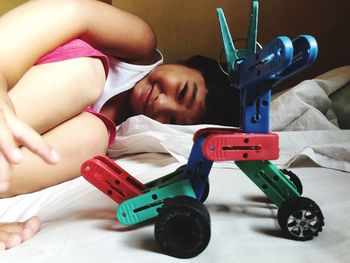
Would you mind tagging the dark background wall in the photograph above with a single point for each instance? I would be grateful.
(188, 27)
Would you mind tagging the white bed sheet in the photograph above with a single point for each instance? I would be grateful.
(304, 117)
(79, 224)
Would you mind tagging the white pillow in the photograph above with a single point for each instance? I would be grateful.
(341, 104)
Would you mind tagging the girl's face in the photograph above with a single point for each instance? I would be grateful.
(170, 93)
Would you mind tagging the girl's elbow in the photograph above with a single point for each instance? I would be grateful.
(144, 45)
(149, 43)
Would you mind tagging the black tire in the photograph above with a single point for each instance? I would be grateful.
(205, 192)
(295, 179)
(181, 169)
(182, 228)
(300, 218)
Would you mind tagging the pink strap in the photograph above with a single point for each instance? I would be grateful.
(111, 128)
(75, 48)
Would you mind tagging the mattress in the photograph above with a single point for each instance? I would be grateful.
(80, 225)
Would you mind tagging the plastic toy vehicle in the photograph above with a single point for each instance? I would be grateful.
(182, 222)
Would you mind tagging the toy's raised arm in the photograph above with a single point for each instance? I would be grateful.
(230, 51)
(252, 34)
(232, 54)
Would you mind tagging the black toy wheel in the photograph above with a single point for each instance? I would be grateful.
(205, 192)
(300, 218)
(295, 179)
(182, 228)
(181, 169)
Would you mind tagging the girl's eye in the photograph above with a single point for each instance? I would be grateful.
(182, 93)
(172, 121)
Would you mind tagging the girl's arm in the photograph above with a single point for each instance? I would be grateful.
(35, 28)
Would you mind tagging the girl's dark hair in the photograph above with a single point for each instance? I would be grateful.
(222, 102)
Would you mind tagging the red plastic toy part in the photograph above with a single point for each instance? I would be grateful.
(238, 146)
(208, 131)
(111, 179)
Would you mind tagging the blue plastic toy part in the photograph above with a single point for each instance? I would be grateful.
(198, 168)
(267, 64)
(279, 59)
(257, 73)
(305, 52)
(255, 107)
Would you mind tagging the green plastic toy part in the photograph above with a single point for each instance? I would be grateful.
(270, 180)
(232, 54)
(147, 205)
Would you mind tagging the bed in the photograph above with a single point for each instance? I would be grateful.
(312, 121)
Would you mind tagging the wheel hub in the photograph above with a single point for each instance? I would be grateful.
(302, 223)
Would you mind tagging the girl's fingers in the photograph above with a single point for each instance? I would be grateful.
(29, 138)
(2, 245)
(10, 239)
(33, 223)
(7, 143)
(14, 228)
(13, 234)
(26, 136)
(4, 183)
(12, 132)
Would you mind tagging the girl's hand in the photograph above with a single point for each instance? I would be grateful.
(15, 133)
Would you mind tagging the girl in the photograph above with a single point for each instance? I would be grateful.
(60, 95)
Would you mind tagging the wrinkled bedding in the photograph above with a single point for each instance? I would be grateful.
(79, 222)
(304, 117)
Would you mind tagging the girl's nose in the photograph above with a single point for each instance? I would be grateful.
(164, 103)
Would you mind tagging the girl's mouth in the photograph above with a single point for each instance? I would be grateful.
(146, 96)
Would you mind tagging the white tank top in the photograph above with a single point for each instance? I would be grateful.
(123, 76)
